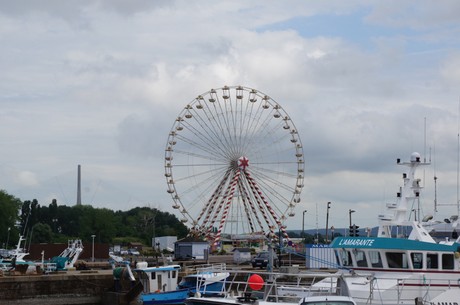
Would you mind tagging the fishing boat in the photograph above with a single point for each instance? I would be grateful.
(15, 260)
(269, 288)
(161, 284)
(19, 253)
(4, 266)
(404, 263)
(317, 300)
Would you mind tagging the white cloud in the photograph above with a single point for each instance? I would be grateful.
(101, 83)
(450, 70)
(26, 178)
(415, 14)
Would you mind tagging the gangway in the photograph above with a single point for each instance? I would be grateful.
(70, 255)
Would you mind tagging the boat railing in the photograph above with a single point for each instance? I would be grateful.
(426, 286)
(205, 268)
(277, 287)
(49, 267)
(405, 289)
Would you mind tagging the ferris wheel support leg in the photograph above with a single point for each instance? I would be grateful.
(211, 204)
(227, 207)
(256, 194)
(268, 206)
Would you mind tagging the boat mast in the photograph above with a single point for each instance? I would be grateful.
(435, 187)
(458, 155)
(396, 213)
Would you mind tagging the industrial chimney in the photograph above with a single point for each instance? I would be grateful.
(79, 185)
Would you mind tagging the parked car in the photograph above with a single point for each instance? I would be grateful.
(133, 252)
(262, 258)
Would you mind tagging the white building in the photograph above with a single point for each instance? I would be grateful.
(190, 248)
(164, 242)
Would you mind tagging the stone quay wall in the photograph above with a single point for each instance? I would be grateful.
(72, 287)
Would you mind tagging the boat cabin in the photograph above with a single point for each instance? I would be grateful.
(394, 253)
(158, 279)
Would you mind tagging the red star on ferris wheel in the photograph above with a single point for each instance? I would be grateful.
(243, 162)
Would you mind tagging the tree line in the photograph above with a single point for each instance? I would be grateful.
(59, 223)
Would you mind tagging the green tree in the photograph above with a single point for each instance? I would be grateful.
(9, 205)
(68, 221)
(99, 222)
(41, 233)
(55, 223)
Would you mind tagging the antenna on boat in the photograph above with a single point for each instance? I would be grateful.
(424, 140)
(458, 153)
(317, 230)
(424, 161)
(435, 185)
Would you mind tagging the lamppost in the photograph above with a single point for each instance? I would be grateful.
(8, 238)
(54, 224)
(92, 258)
(350, 211)
(303, 225)
(157, 251)
(327, 220)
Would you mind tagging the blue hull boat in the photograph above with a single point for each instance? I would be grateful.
(179, 296)
(161, 283)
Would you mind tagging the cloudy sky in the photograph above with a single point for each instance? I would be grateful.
(100, 83)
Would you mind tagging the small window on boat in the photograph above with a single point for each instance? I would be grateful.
(337, 257)
(360, 257)
(432, 261)
(448, 261)
(397, 260)
(417, 260)
(345, 257)
(376, 259)
(174, 274)
(154, 275)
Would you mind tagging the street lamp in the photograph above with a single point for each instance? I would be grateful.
(327, 220)
(157, 251)
(8, 238)
(303, 225)
(92, 236)
(349, 213)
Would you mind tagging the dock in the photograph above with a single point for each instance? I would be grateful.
(60, 288)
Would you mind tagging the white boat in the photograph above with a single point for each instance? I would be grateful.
(318, 300)
(277, 288)
(19, 253)
(409, 267)
(440, 230)
(161, 283)
(4, 266)
(16, 260)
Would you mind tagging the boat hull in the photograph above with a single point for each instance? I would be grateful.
(179, 296)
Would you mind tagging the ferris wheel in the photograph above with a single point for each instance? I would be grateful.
(234, 164)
